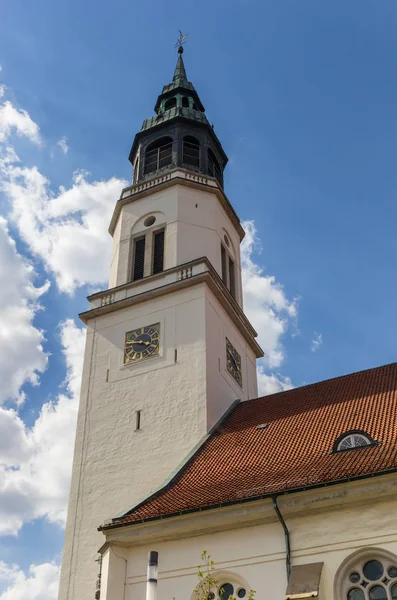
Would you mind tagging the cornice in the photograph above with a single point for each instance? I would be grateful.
(257, 512)
(208, 276)
(176, 176)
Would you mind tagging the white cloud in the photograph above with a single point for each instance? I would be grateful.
(63, 144)
(268, 308)
(13, 120)
(2, 86)
(35, 468)
(21, 351)
(316, 341)
(69, 230)
(270, 383)
(40, 584)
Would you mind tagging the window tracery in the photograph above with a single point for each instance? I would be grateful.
(352, 440)
(369, 576)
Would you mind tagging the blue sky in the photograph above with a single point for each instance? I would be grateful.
(303, 96)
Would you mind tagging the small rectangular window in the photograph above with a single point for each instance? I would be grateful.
(137, 420)
(158, 252)
(232, 278)
(139, 259)
(223, 258)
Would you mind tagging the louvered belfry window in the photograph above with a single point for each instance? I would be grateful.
(139, 258)
(228, 267)
(223, 258)
(158, 252)
(232, 282)
(158, 155)
(191, 151)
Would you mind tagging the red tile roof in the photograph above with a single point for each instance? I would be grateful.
(240, 461)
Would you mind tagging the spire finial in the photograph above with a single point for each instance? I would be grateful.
(180, 41)
(180, 72)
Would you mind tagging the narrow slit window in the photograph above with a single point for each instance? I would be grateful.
(158, 252)
(223, 258)
(139, 259)
(232, 278)
(137, 420)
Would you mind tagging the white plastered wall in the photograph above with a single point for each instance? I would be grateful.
(256, 555)
(195, 224)
(114, 465)
(180, 398)
(222, 389)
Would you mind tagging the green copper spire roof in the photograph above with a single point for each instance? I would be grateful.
(179, 85)
(179, 112)
(180, 72)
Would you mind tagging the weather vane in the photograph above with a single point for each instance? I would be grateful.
(181, 40)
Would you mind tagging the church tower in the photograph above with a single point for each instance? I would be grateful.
(168, 347)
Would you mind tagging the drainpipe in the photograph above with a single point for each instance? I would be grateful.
(152, 572)
(286, 534)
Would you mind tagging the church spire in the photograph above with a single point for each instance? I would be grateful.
(180, 72)
(178, 135)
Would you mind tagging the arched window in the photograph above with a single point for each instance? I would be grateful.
(367, 575)
(191, 151)
(213, 166)
(227, 588)
(351, 440)
(158, 155)
(185, 102)
(171, 102)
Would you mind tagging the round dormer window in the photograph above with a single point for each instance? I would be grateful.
(149, 221)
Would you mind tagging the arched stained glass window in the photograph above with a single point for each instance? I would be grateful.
(369, 578)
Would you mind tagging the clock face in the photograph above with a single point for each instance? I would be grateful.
(142, 343)
(233, 363)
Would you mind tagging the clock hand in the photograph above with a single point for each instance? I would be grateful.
(142, 342)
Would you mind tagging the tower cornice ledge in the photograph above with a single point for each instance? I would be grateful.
(193, 273)
(177, 176)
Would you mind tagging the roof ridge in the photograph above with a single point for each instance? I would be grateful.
(315, 383)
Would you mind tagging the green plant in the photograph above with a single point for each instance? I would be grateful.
(208, 585)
